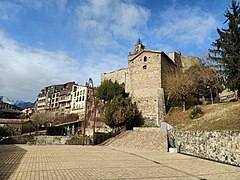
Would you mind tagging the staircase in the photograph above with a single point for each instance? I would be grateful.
(144, 139)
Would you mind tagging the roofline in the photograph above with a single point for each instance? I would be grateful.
(72, 122)
(152, 51)
(114, 71)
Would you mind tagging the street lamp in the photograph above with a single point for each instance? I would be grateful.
(209, 87)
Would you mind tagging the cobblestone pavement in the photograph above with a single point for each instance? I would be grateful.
(100, 162)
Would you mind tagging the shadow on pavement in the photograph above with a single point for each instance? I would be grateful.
(10, 157)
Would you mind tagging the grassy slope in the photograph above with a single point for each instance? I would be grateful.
(221, 116)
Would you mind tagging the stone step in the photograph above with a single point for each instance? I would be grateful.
(111, 140)
(145, 140)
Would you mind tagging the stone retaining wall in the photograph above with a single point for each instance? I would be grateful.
(222, 146)
(51, 140)
(146, 129)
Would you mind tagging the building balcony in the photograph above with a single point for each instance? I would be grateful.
(64, 100)
(67, 106)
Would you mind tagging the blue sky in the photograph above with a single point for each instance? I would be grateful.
(56, 41)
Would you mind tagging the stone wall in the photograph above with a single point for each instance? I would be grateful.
(145, 73)
(59, 140)
(145, 81)
(121, 76)
(188, 61)
(147, 129)
(222, 146)
(40, 140)
(167, 68)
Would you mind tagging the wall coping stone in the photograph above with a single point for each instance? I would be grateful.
(150, 129)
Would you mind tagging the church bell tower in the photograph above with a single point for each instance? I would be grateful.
(138, 47)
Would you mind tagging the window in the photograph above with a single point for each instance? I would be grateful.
(83, 98)
(145, 58)
(145, 67)
(80, 98)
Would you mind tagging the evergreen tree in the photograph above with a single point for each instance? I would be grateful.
(226, 51)
(118, 110)
(108, 90)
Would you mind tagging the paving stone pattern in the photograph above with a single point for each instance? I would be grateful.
(25, 162)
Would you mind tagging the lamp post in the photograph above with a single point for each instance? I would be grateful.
(94, 119)
(209, 87)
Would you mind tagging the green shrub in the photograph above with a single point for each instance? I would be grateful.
(196, 113)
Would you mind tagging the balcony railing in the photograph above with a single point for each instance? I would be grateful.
(65, 100)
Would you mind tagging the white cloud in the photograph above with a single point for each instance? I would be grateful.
(110, 20)
(185, 25)
(24, 71)
(106, 30)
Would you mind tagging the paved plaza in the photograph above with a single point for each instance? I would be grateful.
(100, 162)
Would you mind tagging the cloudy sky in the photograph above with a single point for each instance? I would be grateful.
(44, 42)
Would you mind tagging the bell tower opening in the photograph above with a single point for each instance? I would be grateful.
(138, 47)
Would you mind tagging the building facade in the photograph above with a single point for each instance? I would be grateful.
(145, 79)
(55, 98)
(79, 94)
(63, 99)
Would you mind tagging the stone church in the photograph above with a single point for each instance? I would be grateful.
(144, 78)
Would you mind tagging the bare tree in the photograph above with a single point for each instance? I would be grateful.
(179, 86)
(206, 76)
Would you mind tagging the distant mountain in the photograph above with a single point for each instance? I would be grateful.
(18, 103)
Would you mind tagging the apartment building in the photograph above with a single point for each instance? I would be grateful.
(55, 98)
(68, 98)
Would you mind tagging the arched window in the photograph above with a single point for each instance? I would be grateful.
(145, 58)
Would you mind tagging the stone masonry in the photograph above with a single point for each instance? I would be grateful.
(141, 138)
(223, 146)
(145, 79)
